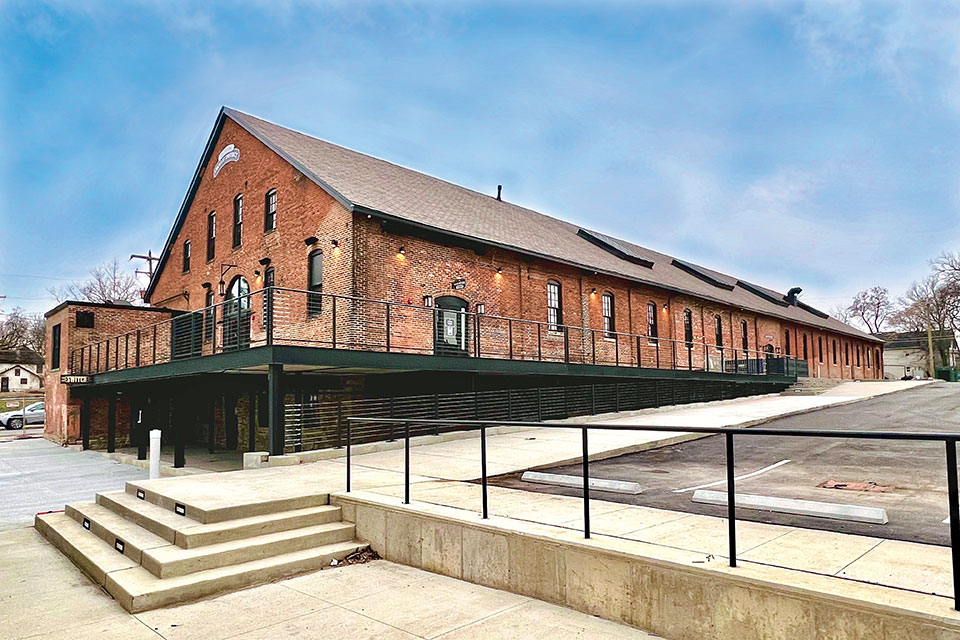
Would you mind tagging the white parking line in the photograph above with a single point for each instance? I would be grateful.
(743, 477)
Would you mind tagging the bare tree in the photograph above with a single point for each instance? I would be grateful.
(872, 307)
(842, 313)
(933, 302)
(107, 283)
(22, 330)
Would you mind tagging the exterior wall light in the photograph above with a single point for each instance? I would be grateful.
(264, 262)
(312, 240)
(499, 270)
(664, 306)
(428, 301)
(335, 243)
(401, 251)
(593, 291)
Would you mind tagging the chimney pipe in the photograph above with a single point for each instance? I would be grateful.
(792, 295)
(499, 191)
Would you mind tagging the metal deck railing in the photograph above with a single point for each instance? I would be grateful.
(949, 440)
(282, 316)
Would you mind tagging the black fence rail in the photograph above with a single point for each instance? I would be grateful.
(281, 316)
(407, 427)
(322, 424)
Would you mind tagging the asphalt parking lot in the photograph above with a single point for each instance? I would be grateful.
(912, 474)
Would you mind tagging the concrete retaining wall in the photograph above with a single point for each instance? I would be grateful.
(669, 592)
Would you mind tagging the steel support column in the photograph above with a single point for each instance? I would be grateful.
(275, 406)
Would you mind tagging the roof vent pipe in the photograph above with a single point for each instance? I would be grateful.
(499, 190)
(792, 295)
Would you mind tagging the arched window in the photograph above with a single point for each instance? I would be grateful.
(237, 220)
(820, 349)
(688, 328)
(652, 321)
(211, 235)
(786, 342)
(804, 346)
(744, 340)
(270, 211)
(718, 331)
(609, 319)
(239, 293)
(834, 352)
(314, 282)
(268, 281)
(554, 306)
(186, 256)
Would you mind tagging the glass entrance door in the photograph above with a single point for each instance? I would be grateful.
(450, 330)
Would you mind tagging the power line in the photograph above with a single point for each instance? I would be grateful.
(36, 277)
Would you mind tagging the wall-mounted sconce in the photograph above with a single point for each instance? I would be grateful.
(206, 285)
(499, 270)
(264, 262)
(256, 272)
(593, 291)
(335, 243)
(222, 288)
(481, 307)
(312, 240)
(401, 251)
(664, 306)
(428, 301)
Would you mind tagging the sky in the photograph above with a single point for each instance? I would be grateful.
(810, 144)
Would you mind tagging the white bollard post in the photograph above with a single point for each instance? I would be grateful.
(154, 453)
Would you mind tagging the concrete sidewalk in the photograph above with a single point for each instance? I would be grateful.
(44, 596)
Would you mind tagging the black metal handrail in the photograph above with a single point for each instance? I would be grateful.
(284, 316)
(949, 439)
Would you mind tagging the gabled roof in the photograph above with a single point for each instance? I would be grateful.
(370, 185)
(21, 356)
(4, 369)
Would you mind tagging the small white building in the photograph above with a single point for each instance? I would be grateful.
(21, 370)
(906, 354)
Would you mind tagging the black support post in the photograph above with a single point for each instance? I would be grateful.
(586, 484)
(176, 415)
(112, 424)
(275, 406)
(85, 423)
(252, 420)
(954, 510)
(731, 503)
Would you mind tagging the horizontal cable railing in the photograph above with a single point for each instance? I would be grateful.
(321, 423)
(282, 316)
(405, 428)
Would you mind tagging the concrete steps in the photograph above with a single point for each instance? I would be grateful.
(150, 549)
(810, 386)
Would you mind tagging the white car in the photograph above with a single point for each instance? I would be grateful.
(30, 414)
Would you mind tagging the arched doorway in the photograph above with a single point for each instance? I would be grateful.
(450, 326)
(236, 315)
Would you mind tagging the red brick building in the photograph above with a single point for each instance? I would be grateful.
(321, 272)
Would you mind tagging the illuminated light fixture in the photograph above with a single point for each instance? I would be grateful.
(499, 270)
(593, 291)
(428, 301)
(401, 251)
(335, 243)
(312, 240)
(256, 272)
(664, 306)
(264, 262)
(480, 307)
(222, 288)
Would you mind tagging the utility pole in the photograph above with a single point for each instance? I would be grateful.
(932, 372)
(150, 258)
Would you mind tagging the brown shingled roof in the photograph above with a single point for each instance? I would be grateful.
(368, 183)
